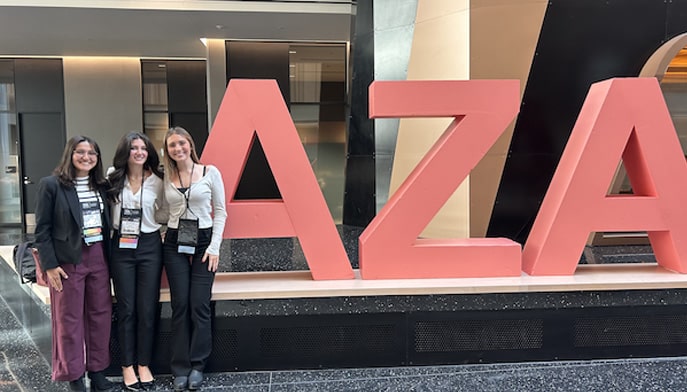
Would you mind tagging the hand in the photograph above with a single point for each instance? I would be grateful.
(213, 261)
(55, 276)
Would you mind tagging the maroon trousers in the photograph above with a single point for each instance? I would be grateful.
(82, 317)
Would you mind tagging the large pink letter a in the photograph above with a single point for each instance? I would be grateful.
(255, 108)
(628, 118)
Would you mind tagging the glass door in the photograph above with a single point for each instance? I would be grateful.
(10, 196)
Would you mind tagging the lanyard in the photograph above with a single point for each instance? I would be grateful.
(91, 221)
(140, 206)
(187, 194)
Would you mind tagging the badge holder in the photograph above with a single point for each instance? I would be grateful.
(92, 222)
(188, 236)
(130, 228)
(187, 239)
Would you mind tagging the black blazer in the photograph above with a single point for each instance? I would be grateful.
(58, 224)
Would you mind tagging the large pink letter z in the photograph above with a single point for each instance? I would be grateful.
(389, 246)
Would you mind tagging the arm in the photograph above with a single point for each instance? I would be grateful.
(45, 207)
(219, 211)
(161, 209)
(219, 218)
(161, 205)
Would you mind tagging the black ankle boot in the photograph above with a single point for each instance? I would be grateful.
(77, 385)
(99, 383)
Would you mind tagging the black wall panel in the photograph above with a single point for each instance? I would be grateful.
(187, 98)
(39, 97)
(581, 42)
(677, 14)
(195, 123)
(187, 86)
(260, 60)
(39, 85)
(359, 196)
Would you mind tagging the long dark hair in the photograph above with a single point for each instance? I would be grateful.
(66, 172)
(121, 160)
(170, 164)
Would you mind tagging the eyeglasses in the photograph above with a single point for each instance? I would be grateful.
(82, 153)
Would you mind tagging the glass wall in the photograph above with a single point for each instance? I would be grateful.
(317, 101)
(155, 105)
(674, 87)
(10, 196)
(318, 86)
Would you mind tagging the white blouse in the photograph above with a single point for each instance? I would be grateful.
(154, 212)
(206, 201)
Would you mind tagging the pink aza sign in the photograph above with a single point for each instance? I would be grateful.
(621, 118)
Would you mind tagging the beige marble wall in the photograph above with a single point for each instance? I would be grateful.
(440, 50)
(477, 39)
(503, 38)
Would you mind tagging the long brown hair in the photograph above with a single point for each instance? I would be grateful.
(120, 162)
(66, 172)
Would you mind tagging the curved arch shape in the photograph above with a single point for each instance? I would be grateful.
(659, 61)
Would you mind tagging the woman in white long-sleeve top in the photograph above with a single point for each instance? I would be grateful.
(197, 213)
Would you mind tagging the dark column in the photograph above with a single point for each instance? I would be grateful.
(359, 197)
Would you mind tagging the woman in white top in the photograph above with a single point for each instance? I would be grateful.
(195, 196)
(136, 263)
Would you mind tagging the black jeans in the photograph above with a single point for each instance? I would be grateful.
(190, 287)
(136, 275)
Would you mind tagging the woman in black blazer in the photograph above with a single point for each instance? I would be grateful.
(72, 229)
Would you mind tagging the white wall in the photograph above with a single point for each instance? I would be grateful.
(102, 99)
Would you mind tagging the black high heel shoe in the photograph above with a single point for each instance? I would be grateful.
(148, 385)
(137, 386)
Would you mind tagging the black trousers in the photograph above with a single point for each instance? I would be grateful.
(190, 288)
(136, 275)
